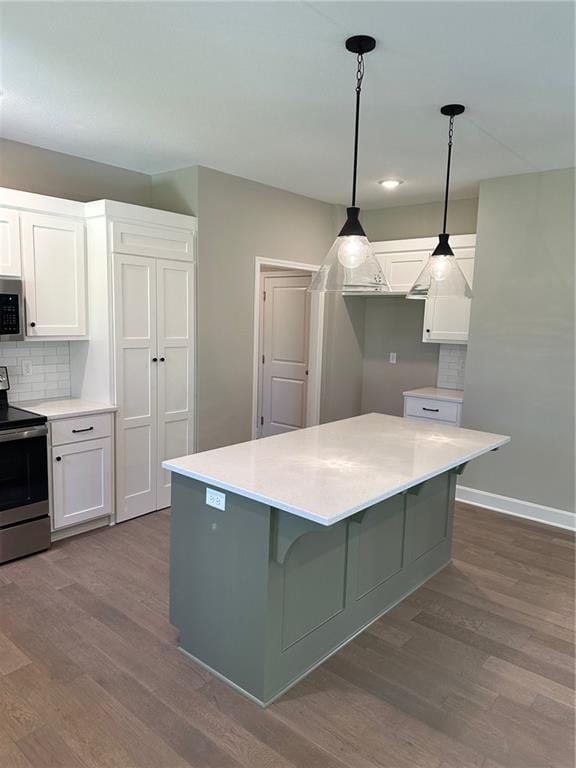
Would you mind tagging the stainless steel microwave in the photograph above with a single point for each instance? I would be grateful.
(11, 309)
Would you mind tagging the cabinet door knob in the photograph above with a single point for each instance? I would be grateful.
(427, 330)
(162, 359)
(58, 458)
(32, 325)
(154, 359)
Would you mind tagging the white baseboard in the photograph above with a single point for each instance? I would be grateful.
(74, 530)
(517, 507)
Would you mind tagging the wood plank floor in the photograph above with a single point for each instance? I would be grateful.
(474, 669)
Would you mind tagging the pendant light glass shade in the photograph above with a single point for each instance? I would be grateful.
(441, 276)
(350, 266)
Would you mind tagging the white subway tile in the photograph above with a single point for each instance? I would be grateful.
(50, 369)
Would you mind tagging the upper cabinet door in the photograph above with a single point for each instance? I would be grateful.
(150, 240)
(54, 271)
(446, 321)
(175, 291)
(402, 260)
(9, 243)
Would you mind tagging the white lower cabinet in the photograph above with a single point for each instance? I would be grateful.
(81, 470)
(438, 410)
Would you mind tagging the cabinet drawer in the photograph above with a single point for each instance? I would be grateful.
(437, 410)
(81, 428)
(143, 240)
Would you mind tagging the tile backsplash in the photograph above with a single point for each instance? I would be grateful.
(49, 364)
(451, 366)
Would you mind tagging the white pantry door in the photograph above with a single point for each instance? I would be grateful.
(136, 376)
(175, 367)
(285, 341)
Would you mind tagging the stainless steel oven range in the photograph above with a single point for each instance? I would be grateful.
(24, 511)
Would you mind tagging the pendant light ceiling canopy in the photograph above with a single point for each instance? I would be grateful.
(351, 266)
(442, 276)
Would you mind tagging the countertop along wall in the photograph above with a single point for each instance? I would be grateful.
(394, 324)
(520, 367)
(239, 220)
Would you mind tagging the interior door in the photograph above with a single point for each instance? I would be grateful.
(285, 341)
(54, 271)
(136, 375)
(175, 291)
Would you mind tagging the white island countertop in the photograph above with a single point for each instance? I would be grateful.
(66, 408)
(330, 472)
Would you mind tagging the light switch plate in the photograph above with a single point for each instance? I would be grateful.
(26, 367)
(392, 358)
(215, 498)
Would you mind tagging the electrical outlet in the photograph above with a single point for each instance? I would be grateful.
(392, 358)
(26, 367)
(215, 498)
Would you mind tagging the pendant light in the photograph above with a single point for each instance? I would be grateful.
(442, 276)
(351, 266)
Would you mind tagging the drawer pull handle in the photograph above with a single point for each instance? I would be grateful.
(87, 429)
(434, 410)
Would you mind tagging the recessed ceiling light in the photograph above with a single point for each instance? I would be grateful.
(390, 183)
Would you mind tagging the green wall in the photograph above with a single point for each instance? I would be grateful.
(33, 169)
(520, 365)
(394, 324)
(238, 221)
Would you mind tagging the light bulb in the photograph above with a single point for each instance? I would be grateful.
(440, 267)
(353, 251)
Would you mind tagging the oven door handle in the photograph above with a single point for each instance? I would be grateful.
(23, 434)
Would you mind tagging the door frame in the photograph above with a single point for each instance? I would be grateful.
(316, 340)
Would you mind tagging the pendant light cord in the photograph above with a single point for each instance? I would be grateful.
(359, 78)
(450, 137)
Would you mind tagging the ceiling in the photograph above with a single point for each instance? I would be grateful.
(265, 90)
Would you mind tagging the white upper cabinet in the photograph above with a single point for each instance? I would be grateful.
(402, 260)
(148, 240)
(446, 321)
(54, 272)
(10, 265)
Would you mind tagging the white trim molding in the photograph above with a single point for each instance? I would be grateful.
(559, 518)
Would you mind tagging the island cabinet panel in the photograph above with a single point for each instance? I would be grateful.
(378, 533)
(262, 596)
(427, 512)
(218, 582)
(314, 582)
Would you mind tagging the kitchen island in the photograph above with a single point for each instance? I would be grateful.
(285, 548)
